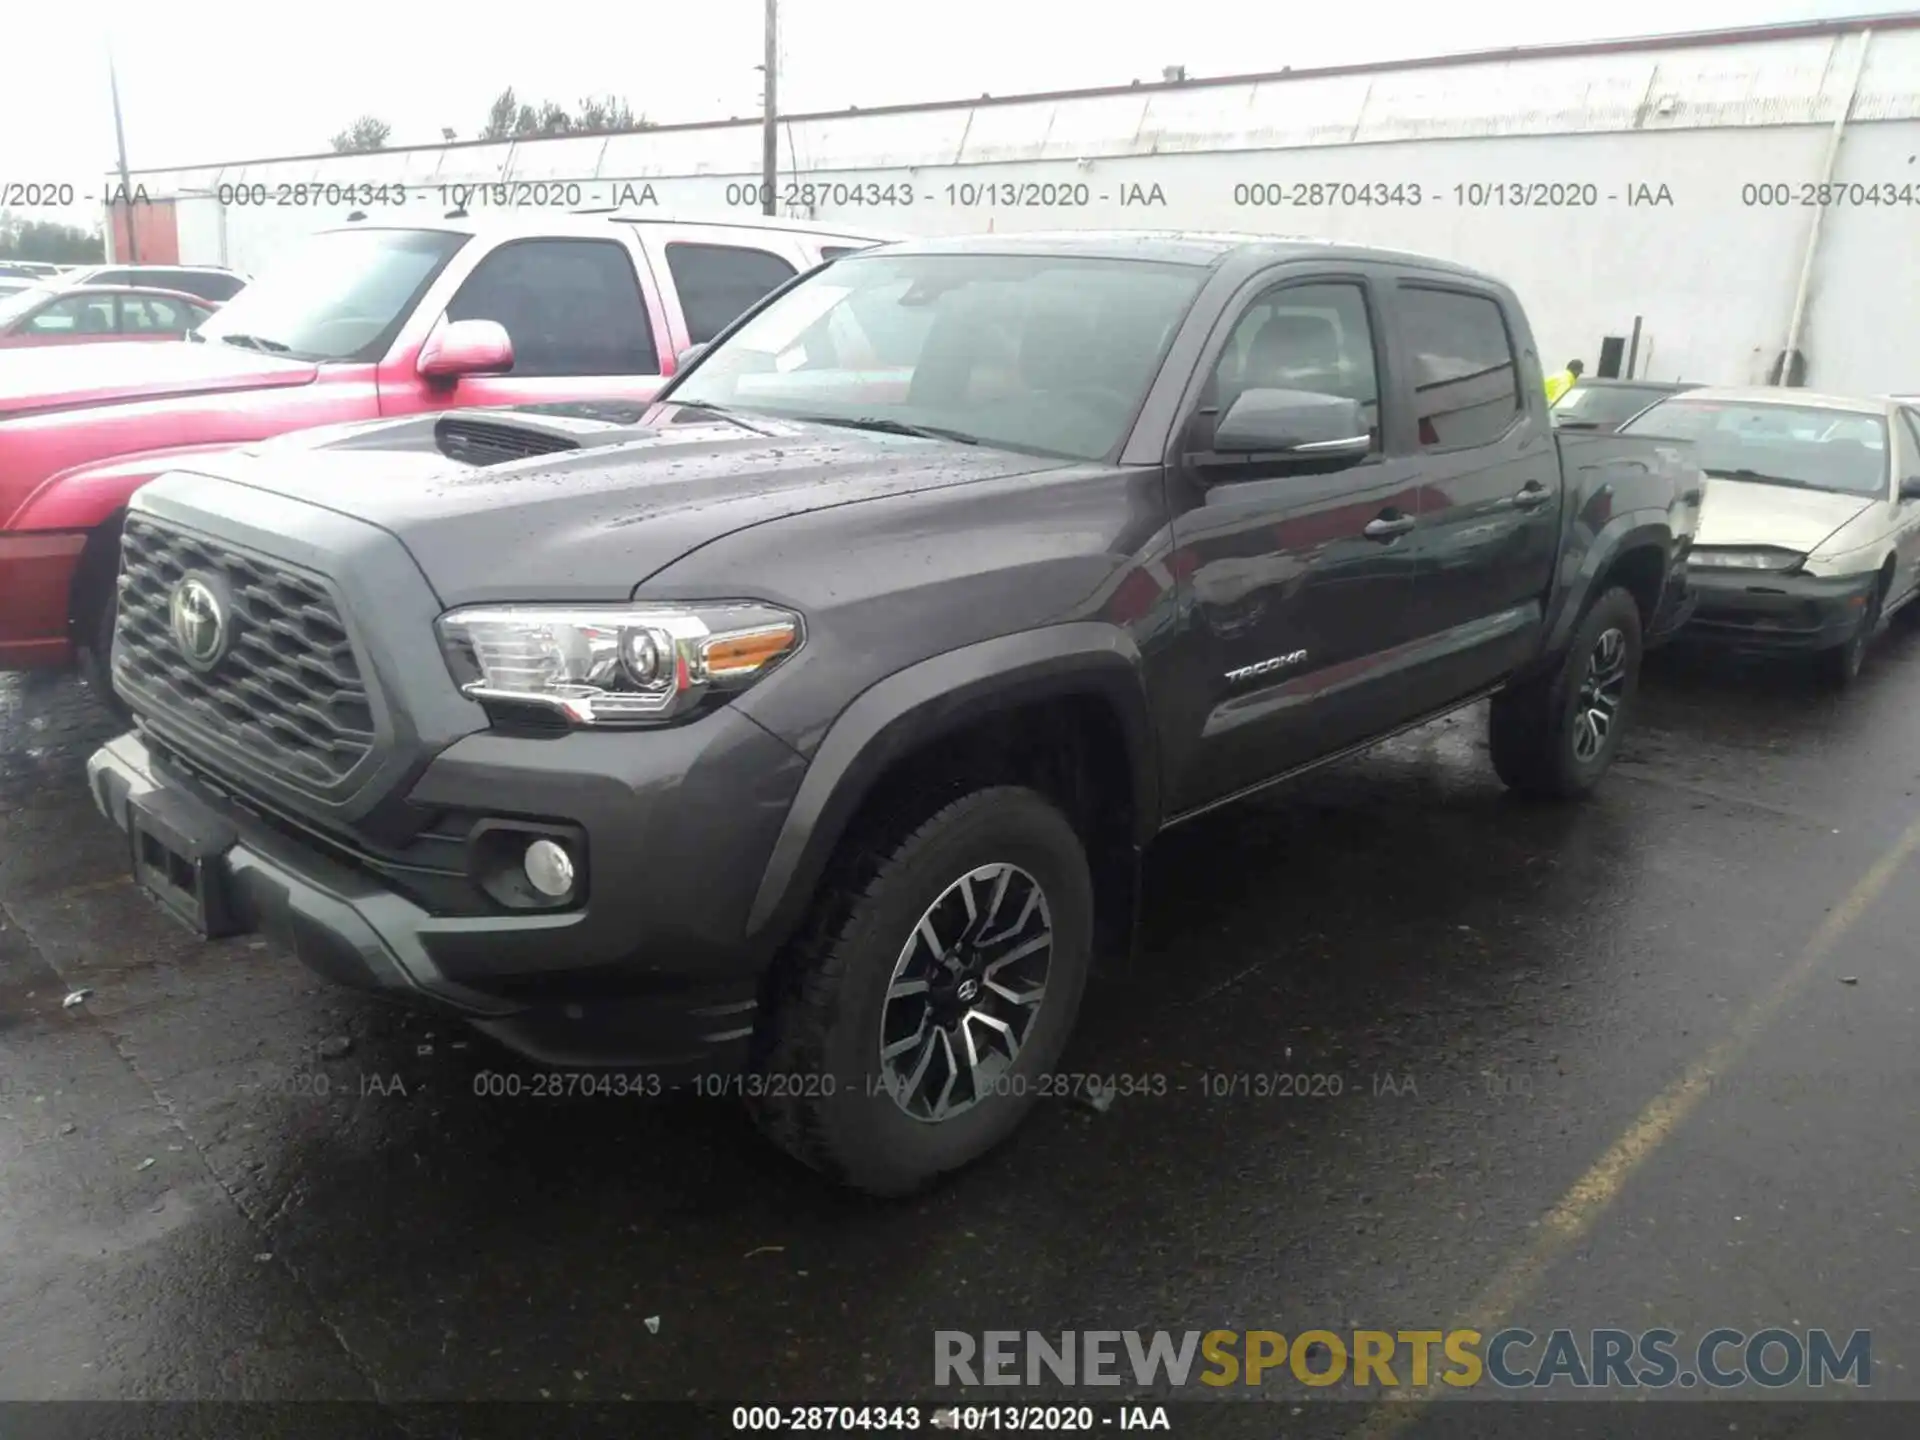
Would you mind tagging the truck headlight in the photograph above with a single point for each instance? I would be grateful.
(608, 665)
(1753, 558)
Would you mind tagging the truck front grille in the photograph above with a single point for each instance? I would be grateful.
(285, 694)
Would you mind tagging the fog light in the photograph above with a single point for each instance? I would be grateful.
(549, 868)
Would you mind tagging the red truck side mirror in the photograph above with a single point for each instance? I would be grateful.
(466, 347)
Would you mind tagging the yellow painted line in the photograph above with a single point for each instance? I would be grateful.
(1564, 1225)
(92, 887)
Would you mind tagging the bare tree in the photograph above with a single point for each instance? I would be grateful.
(365, 134)
(502, 117)
(607, 115)
(511, 119)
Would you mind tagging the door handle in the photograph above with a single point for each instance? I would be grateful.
(1387, 527)
(1535, 494)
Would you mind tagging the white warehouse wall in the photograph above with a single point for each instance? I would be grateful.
(1712, 277)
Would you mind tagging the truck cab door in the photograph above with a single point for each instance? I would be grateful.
(1296, 577)
(1490, 486)
(583, 317)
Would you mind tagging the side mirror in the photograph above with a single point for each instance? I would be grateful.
(466, 347)
(1293, 423)
(1910, 488)
(687, 356)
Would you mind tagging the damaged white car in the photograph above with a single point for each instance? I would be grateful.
(1809, 536)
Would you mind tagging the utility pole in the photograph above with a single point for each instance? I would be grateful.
(769, 125)
(126, 184)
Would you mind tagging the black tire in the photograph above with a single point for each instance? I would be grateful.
(1840, 666)
(97, 606)
(1534, 728)
(821, 1094)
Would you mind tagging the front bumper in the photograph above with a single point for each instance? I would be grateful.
(1761, 613)
(593, 986)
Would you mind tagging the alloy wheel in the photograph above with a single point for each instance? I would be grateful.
(1601, 693)
(965, 991)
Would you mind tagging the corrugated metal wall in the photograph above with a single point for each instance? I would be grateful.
(1707, 258)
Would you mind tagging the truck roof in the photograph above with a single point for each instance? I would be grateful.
(595, 222)
(1602, 382)
(1774, 395)
(1178, 247)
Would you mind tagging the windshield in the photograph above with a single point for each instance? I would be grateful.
(339, 295)
(1047, 354)
(1605, 404)
(1808, 446)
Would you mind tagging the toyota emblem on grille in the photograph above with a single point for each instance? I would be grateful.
(200, 615)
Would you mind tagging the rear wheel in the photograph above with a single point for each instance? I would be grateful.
(931, 993)
(1556, 736)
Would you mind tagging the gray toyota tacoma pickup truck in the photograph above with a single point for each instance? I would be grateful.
(807, 725)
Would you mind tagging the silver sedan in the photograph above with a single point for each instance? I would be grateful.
(1809, 534)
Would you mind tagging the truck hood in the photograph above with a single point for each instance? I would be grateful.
(592, 524)
(1746, 512)
(64, 377)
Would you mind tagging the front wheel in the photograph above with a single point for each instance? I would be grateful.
(99, 609)
(1556, 736)
(1842, 663)
(931, 995)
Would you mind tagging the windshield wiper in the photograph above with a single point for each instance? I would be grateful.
(894, 427)
(255, 342)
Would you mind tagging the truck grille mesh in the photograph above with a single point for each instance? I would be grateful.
(287, 695)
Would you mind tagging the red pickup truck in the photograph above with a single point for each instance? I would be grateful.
(360, 322)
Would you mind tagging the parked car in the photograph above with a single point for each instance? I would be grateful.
(361, 321)
(209, 282)
(92, 314)
(30, 271)
(1603, 405)
(10, 286)
(811, 729)
(1809, 537)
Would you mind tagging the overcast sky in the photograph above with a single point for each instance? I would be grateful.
(214, 80)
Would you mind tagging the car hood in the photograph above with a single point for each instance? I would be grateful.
(1745, 512)
(592, 524)
(63, 377)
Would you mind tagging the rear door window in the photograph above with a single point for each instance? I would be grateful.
(210, 284)
(155, 314)
(1466, 379)
(718, 283)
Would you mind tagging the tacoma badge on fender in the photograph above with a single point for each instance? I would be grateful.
(1266, 667)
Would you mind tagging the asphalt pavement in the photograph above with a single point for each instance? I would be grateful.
(1643, 1061)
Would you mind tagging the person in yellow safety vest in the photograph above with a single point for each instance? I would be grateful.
(1558, 384)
